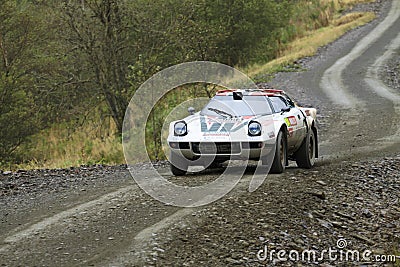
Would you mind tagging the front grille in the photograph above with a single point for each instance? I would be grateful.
(180, 145)
(210, 148)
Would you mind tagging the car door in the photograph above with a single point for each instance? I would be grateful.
(293, 118)
(295, 122)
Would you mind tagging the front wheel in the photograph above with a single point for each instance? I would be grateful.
(279, 163)
(179, 165)
(305, 156)
(214, 164)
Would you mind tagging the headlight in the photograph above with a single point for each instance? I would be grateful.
(254, 128)
(180, 128)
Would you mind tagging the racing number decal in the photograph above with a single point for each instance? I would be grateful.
(291, 121)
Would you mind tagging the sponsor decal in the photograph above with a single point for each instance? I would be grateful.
(216, 134)
(271, 134)
(291, 121)
(210, 125)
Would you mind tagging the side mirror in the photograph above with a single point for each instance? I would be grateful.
(237, 96)
(191, 110)
(283, 110)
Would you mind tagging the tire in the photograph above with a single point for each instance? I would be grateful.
(179, 165)
(279, 162)
(305, 156)
(215, 164)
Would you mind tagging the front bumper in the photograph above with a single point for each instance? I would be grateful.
(223, 150)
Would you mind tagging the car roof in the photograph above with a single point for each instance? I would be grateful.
(251, 92)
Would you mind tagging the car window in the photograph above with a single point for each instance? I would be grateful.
(289, 101)
(278, 103)
(248, 106)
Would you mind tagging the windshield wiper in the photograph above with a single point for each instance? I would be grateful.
(221, 112)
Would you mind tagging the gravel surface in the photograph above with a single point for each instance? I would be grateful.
(391, 72)
(34, 181)
(355, 201)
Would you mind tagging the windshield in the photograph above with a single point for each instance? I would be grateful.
(226, 106)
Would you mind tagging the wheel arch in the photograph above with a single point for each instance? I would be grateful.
(314, 129)
(285, 131)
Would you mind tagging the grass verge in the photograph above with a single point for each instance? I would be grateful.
(309, 44)
(65, 145)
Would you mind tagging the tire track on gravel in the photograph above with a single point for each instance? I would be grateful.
(377, 85)
(57, 218)
(362, 104)
(53, 226)
(332, 82)
(136, 253)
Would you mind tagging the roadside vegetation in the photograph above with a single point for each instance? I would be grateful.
(69, 68)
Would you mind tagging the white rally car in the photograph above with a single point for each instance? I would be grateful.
(248, 124)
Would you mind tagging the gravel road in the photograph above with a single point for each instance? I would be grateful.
(98, 216)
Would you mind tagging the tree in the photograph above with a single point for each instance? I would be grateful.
(97, 32)
(19, 114)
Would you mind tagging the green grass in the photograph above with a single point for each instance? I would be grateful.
(63, 146)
